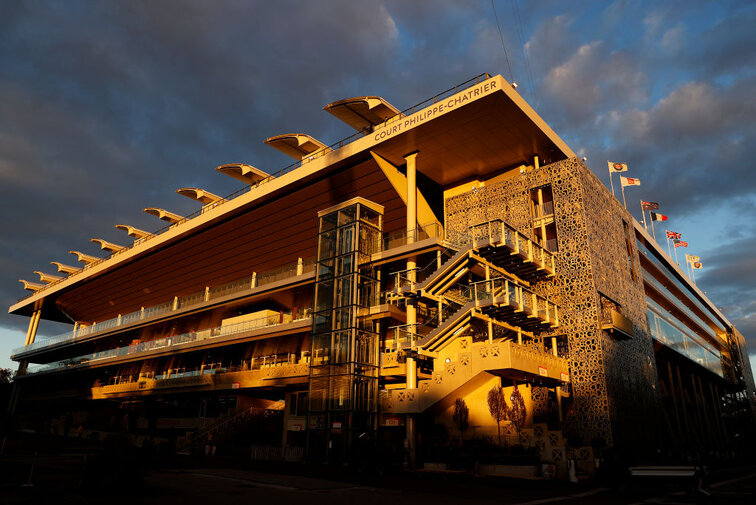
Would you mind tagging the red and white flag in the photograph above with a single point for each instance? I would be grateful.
(655, 216)
(649, 205)
(629, 181)
(617, 167)
(680, 243)
(674, 235)
(696, 265)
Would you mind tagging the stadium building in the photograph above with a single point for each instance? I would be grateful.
(354, 299)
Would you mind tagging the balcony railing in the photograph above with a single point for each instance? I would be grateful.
(179, 302)
(336, 145)
(507, 292)
(176, 340)
(497, 231)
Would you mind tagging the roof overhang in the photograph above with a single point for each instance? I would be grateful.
(296, 145)
(472, 134)
(472, 113)
(85, 258)
(165, 215)
(200, 195)
(47, 278)
(132, 232)
(105, 245)
(244, 173)
(363, 112)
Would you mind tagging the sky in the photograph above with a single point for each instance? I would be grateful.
(109, 107)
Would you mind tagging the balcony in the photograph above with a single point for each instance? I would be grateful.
(617, 324)
(174, 307)
(506, 300)
(193, 339)
(255, 374)
(506, 247)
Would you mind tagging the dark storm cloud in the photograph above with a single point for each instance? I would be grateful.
(108, 107)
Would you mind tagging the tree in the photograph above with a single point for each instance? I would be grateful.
(497, 406)
(6, 375)
(461, 416)
(518, 412)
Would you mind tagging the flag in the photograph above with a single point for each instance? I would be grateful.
(696, 265)
(692, 259)
(674, 235)
(658, 217)
(617, 167)
(649, 205)
(629, 181)
(680, 243)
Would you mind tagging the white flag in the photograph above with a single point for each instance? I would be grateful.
(629, 181)
(617, 167)
(692, 259)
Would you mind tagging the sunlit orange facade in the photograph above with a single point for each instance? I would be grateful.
(357, 295)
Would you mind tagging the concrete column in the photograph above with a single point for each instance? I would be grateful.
(31, 333)
(411, 308)
(411, 196)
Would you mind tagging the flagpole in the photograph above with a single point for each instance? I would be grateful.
(611, 179)
(692, 270)
(643, 212)
(687, 266)
(623, 197)
(676, 260)
(668, 250)
(653, 230)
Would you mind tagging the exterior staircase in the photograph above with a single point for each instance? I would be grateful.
(470, 366)
(220, 429)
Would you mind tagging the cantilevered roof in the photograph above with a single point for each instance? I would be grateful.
(31, 286)
(66, 269)
(244, 173)
(296, 145)
(362, 112)
(477, 132)
(85, 258)
(133, 232)
(47, 278)
(106, 246)
(202, 196)
(163, 214)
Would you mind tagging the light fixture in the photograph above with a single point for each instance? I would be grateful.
(514, 85)
(584, 158)
(448, 360)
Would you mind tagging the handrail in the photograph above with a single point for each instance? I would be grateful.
(336, 145)
(179, 302)
(174, 340)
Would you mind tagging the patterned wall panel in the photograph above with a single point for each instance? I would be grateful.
(610, 379)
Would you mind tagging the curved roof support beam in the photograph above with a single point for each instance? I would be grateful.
(47, 278)
(31, 286)
(297, 145)
(133, 232)
(66, 269)
(202, 196)
(164, 214)
(363, 113)
(244, 173)
(85, 258)
(106, 246)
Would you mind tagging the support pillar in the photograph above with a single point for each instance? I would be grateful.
(412, 234)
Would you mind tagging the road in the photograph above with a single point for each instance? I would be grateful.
(60, 479)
